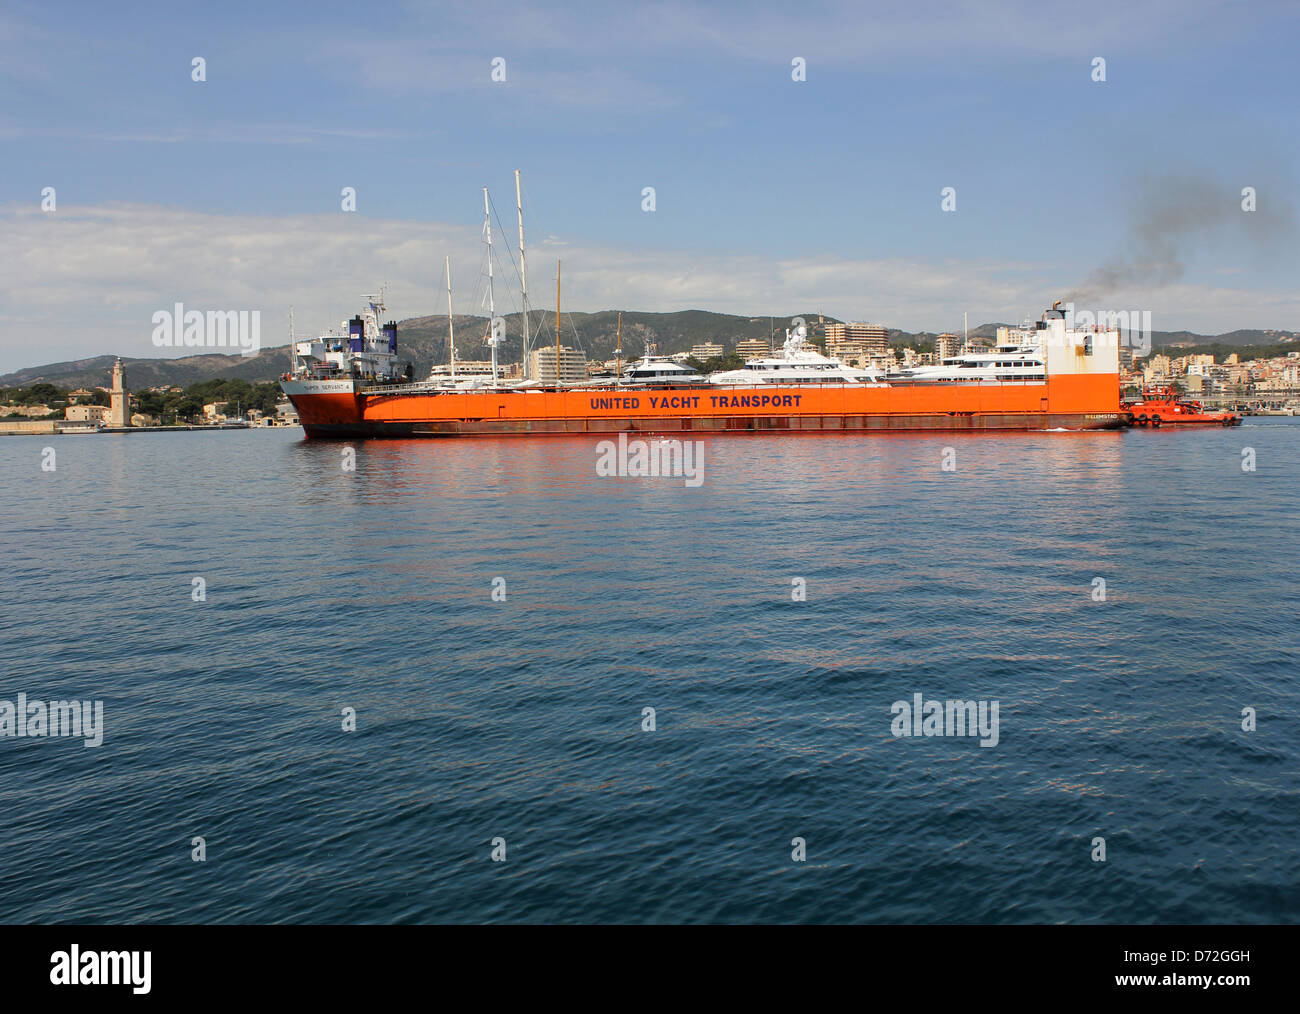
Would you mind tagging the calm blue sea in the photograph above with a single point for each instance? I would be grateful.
(371, 589)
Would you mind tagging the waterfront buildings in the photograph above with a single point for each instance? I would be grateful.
(573, 365)
(873, 338)
(753, 348)
(97, 414)
(946, 345)
(1260, 382)
(707, 350)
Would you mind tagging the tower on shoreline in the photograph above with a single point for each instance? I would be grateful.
(119, 399)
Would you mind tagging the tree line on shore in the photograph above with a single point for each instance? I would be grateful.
(167, 406)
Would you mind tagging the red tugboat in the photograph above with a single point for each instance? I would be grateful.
(1162, 406)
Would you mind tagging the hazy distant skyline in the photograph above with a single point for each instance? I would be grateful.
(771, 194)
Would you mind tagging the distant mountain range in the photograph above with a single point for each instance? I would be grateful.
(423, 340)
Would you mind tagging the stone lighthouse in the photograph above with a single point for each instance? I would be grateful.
(119, 400)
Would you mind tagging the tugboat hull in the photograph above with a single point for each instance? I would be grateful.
(1161, 407)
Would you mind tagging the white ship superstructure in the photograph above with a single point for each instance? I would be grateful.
(1020, 357)
(364, 350)
(798, 364)
(654, 370)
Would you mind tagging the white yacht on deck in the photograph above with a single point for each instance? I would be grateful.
(653, 371)
(798, 364)
(661, 371)
(1019, 358)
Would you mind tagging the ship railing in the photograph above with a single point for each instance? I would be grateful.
(435, 387)
(393, 388)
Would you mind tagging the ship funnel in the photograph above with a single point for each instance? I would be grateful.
(390, 332)
(356, 331)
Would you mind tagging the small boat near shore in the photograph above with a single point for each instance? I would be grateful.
(1163, 406)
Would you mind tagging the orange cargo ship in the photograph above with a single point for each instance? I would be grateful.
(1049, 377)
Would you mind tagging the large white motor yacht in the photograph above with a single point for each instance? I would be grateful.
(1019, 358)
(798, 363)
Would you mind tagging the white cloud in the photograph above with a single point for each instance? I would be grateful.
(86, 281)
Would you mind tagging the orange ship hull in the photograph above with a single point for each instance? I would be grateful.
(1078, 401)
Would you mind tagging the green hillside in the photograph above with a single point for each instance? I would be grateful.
(423, 341)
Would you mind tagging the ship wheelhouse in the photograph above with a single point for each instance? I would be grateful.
(661, 371)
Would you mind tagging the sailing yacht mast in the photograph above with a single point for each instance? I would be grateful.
(618, 351)
(451, 329)
(493, 340)
(523, 270)
(557, 322)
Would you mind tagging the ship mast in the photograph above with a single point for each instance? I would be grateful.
(493, 341)
(557, 322)
(523, 270)
(451, 330)
(618, 351)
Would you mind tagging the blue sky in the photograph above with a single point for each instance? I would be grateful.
(773, 196)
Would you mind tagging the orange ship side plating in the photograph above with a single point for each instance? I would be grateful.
(1080, 401)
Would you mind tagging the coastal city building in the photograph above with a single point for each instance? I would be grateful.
(707, 350)
(1268, 385)
(873, 337)
(573, 365)
(753, 348)
(946, 345)
(852, 353)
(1158, 369)
(97, 414)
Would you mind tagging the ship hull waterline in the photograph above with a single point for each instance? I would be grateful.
(334, 409)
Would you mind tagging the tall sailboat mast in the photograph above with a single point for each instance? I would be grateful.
(618, 351)
(523, 269)
(557, 322)
(493, 340)
(451, 329)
